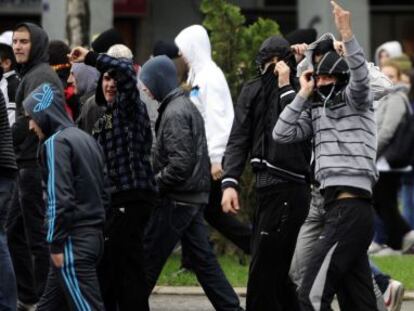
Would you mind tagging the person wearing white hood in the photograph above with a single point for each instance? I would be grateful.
(387, 50)
(211, 95)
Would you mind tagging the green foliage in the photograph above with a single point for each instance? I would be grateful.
(235, 45)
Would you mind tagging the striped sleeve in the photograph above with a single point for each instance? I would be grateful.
(294, 123)
(358, 92)
(60, 193)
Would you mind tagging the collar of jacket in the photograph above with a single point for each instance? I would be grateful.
(173, 94)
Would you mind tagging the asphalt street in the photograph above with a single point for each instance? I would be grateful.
(200, 303)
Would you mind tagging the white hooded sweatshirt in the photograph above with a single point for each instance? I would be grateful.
(393, 48)
(210, 91)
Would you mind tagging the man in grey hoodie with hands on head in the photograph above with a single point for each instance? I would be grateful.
(335, 107)
(182, 172)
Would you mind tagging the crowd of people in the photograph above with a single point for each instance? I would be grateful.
(106, 166)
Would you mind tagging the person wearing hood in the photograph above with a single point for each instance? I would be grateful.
(390, 113)
(181, 164)
(282, 176)
(334, 107)
(386, 51)
(85, 79)
(124, 132)
(76, 197)
(211, 95)
(26, 219)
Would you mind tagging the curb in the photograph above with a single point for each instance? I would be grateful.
(198, 291)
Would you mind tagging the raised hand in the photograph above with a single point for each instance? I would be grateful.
(283, 72)
(342, 21)
(78, 54)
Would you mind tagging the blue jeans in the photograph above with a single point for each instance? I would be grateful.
(8, 292)
(174, 221)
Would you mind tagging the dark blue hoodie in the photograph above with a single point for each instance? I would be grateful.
(75, 166)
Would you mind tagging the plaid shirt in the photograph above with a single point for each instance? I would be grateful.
(124, 131)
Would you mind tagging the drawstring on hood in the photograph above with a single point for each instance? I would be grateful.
(45, 105)
(39, 47)
(159, 75)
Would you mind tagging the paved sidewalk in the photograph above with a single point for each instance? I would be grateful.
(198, 291)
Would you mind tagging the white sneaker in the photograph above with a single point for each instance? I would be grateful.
(394, 295)
(386, 251)
(374, 247)
(408, 241)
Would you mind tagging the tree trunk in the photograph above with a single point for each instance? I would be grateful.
(78, 22)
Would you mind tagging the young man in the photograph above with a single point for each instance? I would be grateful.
(76, 203)
(211, 95)
(282, 177)
(8, 174)
(182, 174)
(26, 232)
(340, 120)
(124, 132)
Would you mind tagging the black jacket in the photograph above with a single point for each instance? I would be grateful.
(33, 73)
(181, 157)
(8, 165)
(255, 117)
(75, 169)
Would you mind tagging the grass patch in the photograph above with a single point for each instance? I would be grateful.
(400, 268)
(236, 273)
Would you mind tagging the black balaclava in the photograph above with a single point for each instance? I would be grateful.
(271, 47)
(333, 64)
(39, 49)
(159, 75)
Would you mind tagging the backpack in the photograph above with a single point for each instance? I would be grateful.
(400, 151)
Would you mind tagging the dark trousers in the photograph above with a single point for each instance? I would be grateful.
(228, 225)
(27, 237)
(8, 291)
(121, 272)
(339, 262)
(386, 205)
(75, 286)
(174, 221)
(280, 212)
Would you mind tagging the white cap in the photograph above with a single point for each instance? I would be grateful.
(7, 37)
(120, 51)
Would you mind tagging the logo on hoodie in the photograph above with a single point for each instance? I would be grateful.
(43, 98)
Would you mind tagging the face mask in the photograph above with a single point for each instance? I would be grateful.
(325, 92)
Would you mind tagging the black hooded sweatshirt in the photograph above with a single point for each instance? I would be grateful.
(181, 159)
(258, 108)
(75, 169)
(33, 73)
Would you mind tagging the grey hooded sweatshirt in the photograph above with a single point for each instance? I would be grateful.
(33, 73)
(344, 133)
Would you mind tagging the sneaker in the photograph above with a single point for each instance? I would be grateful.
(394, 295)
(408, 241)
(374, 247)
(386, 251)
